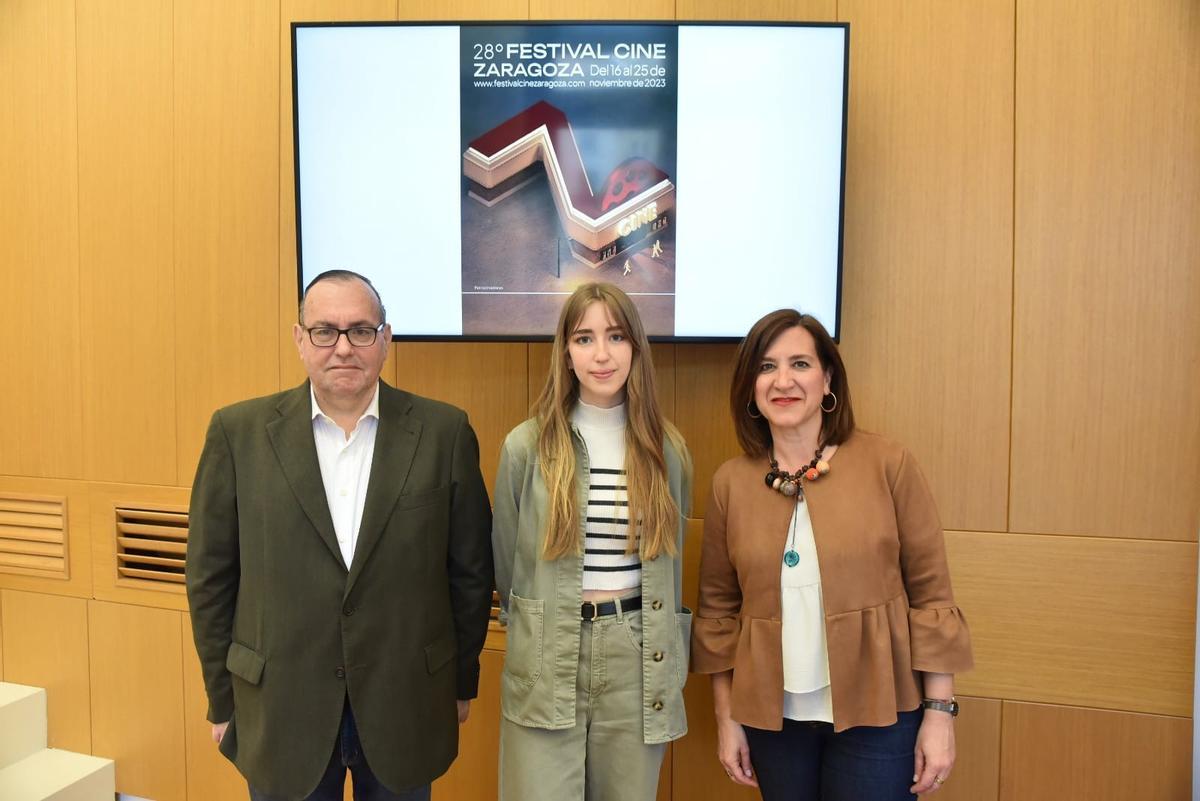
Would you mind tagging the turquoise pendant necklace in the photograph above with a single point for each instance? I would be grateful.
(790, 557)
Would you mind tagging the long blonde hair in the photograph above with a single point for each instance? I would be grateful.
(650, 501)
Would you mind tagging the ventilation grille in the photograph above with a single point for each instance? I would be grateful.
(33, 535)
(151, 545)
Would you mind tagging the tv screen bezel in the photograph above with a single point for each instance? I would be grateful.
(672, 339)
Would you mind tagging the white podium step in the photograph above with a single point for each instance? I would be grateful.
(22, 723)
(54, 775)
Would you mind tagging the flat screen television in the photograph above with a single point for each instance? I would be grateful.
(478, 173)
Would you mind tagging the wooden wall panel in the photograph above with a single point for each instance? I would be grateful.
(291, 371)
(226, 210)
(78, 537)
(40, 425)
(1087, 621)
(137, 697)
(702, 376)
(103, 500)
(696, 774)
(473, 774)
(487, 379)
(1107, 336)
(45, 644)
(795, 10)
(602, 9)
(976, 775)
(464, 9)
(692, 542)
(125, 240)
(1056, 753)
(210, 776)
(928, 241)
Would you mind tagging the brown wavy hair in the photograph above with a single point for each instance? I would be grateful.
(753, 433)
(649, 493)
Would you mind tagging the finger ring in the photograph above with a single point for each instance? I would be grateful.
(938, 780)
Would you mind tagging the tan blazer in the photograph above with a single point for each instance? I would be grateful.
(889, 609)
(286, 630)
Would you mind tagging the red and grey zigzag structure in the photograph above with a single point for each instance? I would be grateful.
(633, 202)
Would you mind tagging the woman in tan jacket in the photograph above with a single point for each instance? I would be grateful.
(826, 616)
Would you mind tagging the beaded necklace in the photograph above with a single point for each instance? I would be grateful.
(792, 485)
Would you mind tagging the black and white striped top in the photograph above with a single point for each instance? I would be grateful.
(606, 566)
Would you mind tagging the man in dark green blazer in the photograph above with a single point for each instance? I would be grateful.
(339, 569)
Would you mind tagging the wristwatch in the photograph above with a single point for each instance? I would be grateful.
(950, 706)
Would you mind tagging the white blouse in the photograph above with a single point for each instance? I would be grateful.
(805, 655)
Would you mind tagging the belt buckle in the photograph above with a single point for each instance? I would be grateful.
(584, 611)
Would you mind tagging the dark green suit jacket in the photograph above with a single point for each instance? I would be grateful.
(285, 630)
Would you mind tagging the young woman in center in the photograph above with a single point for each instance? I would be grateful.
(591, 495)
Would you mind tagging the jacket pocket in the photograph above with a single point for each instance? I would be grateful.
(426, 498)
(523, 658)
(683, 642)
(244, 663)
(438, 653)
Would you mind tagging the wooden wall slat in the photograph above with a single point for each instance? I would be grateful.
(210, 776)
(928, 241)
(125, 240)
(487, 379)
(45, 644)
(795, 10)
(1058, 753)
(226, 210)
(1089, 621)
(473, 774)
(1106, 346)
(702, 376)
(976, 775)
(40, 421)
(602, 9)
(137, 697)
(464, 9)
(696, 774)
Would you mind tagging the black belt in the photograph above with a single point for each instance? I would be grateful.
(591, 611)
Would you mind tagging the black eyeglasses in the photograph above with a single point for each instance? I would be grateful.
(360, 336)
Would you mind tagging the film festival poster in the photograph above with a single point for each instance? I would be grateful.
(568, 170)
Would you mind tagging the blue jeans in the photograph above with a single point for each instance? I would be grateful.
(347, 754)
(807, 761)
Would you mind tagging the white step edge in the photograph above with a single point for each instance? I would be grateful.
(22, 722)
(54, 775)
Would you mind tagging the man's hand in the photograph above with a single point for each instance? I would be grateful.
(464, 709)
(218, 731)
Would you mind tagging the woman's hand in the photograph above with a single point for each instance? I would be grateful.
(934, 752)
(734, 752)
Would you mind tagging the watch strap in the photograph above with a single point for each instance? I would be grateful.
(939, 705)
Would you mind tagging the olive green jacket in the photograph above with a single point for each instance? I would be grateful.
(540, 600)
(286, 630)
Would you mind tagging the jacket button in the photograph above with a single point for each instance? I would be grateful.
(340, 673)
(658, 656)
(656, 605)
(657, 706)
(347, 610)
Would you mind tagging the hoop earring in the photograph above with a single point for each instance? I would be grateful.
(831, 408)
(753, 416)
